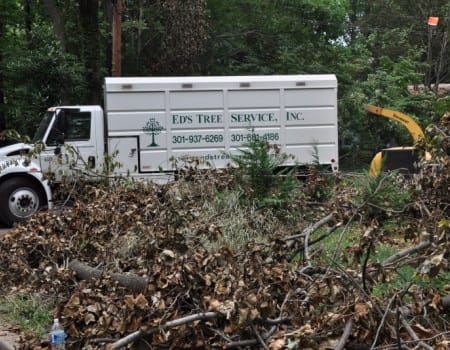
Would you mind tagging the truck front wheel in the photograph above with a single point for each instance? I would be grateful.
(19, 199)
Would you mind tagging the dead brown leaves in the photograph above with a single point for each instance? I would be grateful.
(255, 297)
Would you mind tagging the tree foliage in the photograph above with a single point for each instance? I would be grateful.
(266, 37)
(376, 48)
(30, 86)
(184, 37)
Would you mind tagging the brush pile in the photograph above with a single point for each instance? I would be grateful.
(137, 266)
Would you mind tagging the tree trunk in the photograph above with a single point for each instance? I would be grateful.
(58, 24)
(441, 65)
(27, 20)
(108, 16)
(88, 12)
(116, 69)
(2, 96)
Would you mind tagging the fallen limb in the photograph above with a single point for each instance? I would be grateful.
(130, 338)
(309, 232)
(413, 335)
(250, 342)
(314, 241)
(134, 283)
(261, 341)
(405, 252)
(381, 324)
(344, 337)
(310, 229)
(170, 324)
(273, 321)
(400, 255)
(306, 248)
(406, 343)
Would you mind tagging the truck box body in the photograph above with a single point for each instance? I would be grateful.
(152, 120)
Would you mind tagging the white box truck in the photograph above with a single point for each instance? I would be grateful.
(148, 122)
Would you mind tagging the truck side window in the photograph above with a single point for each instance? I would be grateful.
(76, 127)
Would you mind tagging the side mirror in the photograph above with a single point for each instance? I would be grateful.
(57, 150)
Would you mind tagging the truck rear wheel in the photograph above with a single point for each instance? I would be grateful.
(19, 199)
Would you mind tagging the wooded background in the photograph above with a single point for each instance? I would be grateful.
(58, 52)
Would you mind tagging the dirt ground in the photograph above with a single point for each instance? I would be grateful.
(8, 336)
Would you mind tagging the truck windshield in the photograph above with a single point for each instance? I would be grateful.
(43, 126)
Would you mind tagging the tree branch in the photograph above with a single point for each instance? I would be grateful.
(344, 337)
(250, 342)
(413, 334)
(259, 337)
(170, 324)
(401, 254)
(318, 239)
(310, 229)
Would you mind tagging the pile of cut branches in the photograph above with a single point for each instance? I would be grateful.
(130, 267)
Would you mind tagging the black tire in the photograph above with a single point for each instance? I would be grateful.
(19, 199)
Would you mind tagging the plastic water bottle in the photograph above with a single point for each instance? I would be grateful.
(57, 336)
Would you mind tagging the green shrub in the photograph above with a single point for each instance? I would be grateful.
(383, 195)
(260, 174)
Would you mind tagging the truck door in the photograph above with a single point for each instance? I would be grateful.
(70, 145)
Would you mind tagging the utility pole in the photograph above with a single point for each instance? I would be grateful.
(116, 69)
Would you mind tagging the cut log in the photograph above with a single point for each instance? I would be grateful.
(133, 283)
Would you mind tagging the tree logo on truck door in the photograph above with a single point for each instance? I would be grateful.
(152, 127)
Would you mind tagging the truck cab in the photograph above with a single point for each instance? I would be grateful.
(69, 139)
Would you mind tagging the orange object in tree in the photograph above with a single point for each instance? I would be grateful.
(433, 21)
